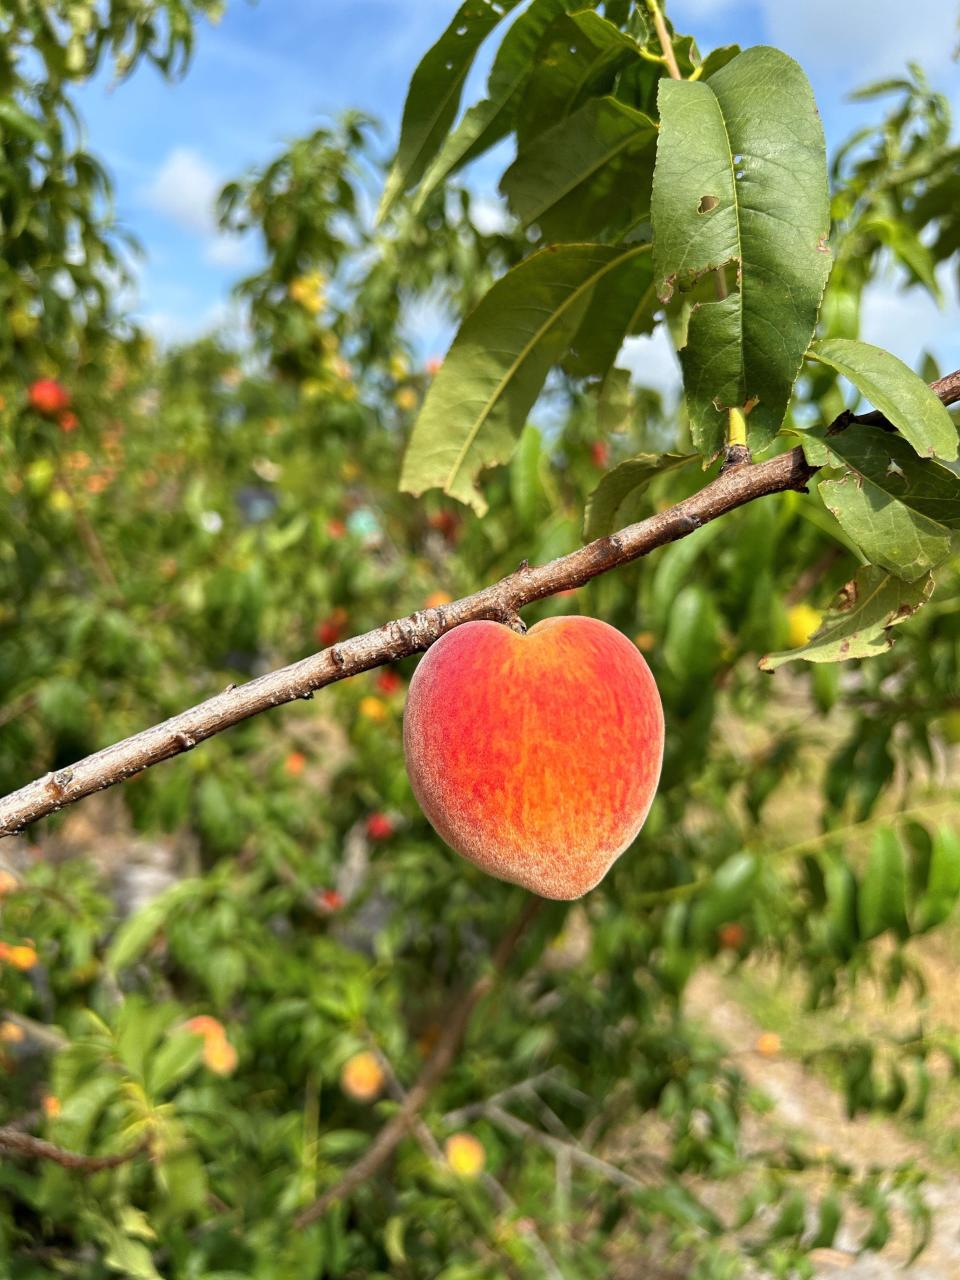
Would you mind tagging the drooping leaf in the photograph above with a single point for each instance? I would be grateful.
(901, 395)
(591, 172)
(491, 119)
(17, 120)
(858, 626)
(902, 511)
(478, 402)
(579, 57)
(882, 902)
(943, 883)
(614, 503)
(726, 193)
(434, 94)
(623, 303)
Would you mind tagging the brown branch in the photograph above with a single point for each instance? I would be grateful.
(394, 640)
(501, 602)
(454, 1023)
(24, 1144)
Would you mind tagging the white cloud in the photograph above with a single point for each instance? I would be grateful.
(234, 251)
(652, 361)
(488, 215)
(185, 189)
(878, 37)
(173, 327)
(909, 322)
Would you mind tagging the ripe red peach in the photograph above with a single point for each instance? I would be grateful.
(48, 396)
(535, 756)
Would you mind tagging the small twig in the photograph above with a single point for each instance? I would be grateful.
(39, 1032)
(25, 1144)
(523, 1088)
(498, 1193)
(88, 536)
(813, 575)
(16, 708)
(576, 1154)
(666, 44)
(455, 1024)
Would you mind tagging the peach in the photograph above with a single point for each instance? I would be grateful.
(48, 396)
(535, 756)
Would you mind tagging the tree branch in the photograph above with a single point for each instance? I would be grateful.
(454, 1023)
(405, 636)
(25, 1144)
(394, 640)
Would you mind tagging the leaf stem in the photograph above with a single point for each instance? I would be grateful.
(666, 44)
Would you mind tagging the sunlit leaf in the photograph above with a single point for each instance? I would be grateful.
(590, 172)
(725, 197)
(902, 511)
(858, 625)
(434, 94)
(901, 395)
(614, 503)
(478, 402)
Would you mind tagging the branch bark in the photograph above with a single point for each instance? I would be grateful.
(500, 602)
(455, 1024)
(15, 1142)
(398, 639)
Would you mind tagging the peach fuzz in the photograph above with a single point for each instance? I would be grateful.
(535, 756)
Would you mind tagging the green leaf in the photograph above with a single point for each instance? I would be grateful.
(882, 901)
(16, 119)
(828, 1221)
(434, 94)
(900, 394)
(623, 303)
(943, 884)
(901, 510)
(130, 1257)
(135, 935)
(741, 182)
(691, 641)
(177, 1057)
(590, 172)
(578, 58)
(858, 625)
(613, 503)
(490, 120)
(840, 886)
(478, 403)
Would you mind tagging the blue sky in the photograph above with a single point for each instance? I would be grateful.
(272, 70)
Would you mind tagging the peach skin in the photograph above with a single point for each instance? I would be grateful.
(535, 756)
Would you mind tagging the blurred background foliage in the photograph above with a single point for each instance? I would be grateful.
(195, 516)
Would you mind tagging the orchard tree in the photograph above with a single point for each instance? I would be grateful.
(290, 1063)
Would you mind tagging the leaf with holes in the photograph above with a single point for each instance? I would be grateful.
(616, 500)
(479, 401)
(741, 184)
(902, 511)
(858, 625)
(493, 118)
(591, 173)
(434, 94)
(901, 395)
